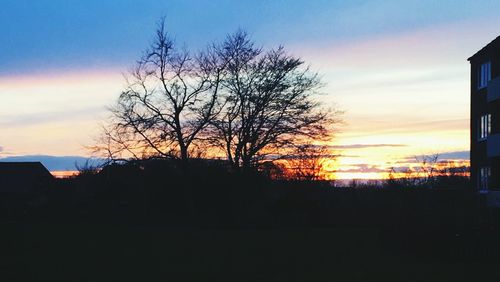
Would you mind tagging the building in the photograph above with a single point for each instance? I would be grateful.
(24, 178)
(485, 120)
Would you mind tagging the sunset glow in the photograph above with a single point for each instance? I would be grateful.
(401, 80)
(64, 173)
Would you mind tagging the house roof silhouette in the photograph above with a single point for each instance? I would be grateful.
(23, 177)
(485, 48)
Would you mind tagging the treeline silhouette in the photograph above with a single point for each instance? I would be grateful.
(211, 193)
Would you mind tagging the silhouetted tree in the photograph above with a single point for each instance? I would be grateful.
(233, 96)
(307, 162)
(168, 101)
(266, 102)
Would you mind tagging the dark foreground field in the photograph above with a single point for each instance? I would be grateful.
(136, 224)
(94, 252)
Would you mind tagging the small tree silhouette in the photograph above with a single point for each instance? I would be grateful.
(308, 162)
(430, 172)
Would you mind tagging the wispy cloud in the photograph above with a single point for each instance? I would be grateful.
(437, 45)
(362, 168)
(364, 146)
(462, 155)
(387, 125)
(47, 117)
(444, 156)
(3, 152)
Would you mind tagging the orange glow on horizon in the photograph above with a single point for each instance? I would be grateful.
(64, 173)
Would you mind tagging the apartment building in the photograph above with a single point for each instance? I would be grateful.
(485, 120)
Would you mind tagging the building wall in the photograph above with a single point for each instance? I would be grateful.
(479, 107)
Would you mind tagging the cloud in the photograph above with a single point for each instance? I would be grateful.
(3, 152)
(54, 163)
(445, 156)
(363, 146)
(401, 168)
(43, 118)
(349, 156)
(460, 155)
(420, 46)
(362, 168)
(386, 125)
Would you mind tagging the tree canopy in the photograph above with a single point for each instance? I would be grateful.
(232, 99)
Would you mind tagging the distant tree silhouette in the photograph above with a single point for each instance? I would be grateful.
(430, 172)
(168, 101)
(266, 103)
(308, 162)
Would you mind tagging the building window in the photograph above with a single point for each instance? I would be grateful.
(484, 75)
(484, 126)
(484, 178)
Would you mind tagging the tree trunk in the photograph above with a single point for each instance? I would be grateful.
(184, 152)
(247, 164)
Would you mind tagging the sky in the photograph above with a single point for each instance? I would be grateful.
(398, 69)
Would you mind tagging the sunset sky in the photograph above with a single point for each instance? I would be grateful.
(398, 69)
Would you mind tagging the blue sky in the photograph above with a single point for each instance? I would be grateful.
(397, 68)
(68, 34)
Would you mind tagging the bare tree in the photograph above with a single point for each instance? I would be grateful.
(266, 102)
(428, 168)
(245, 101)
(169, 99)
(308, 161)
